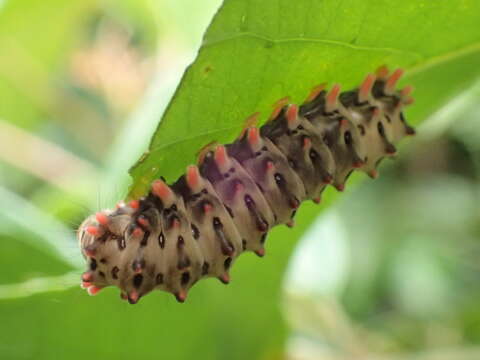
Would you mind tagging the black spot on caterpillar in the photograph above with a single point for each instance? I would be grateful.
(197, 226)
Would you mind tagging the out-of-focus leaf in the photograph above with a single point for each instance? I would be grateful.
(34, 39)
(411, 270)
(57, 238)
(38, 285)
(22, 262)
(143, 121)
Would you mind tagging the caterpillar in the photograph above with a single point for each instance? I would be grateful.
(225, 205)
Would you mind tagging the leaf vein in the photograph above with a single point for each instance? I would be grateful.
(239, 35)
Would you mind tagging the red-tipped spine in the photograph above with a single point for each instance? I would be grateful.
(392, 81)
(332, 97)
(193, 177)
(366, 88)
(102, 218)
(292, 116)
(162, 191)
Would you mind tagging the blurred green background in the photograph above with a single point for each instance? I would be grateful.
(390, 271)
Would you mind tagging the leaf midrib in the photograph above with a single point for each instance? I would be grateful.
(221, 39)
(427, 62)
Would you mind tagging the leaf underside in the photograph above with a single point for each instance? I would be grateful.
(256, 52)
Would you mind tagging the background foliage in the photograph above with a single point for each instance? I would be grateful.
(389, 272)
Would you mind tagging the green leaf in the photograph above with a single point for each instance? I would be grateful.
(45, 233)
(23, 262)
(256, 52)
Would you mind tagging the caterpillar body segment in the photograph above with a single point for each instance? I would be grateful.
(198, 226)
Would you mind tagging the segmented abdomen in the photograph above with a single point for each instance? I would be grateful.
(199, 225)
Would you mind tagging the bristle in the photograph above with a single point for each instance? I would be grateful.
(390, 149)
(262, 227)
(133, 297)
(366, 88)
(90, 250)
(137, 267)
(85, 285)
(162, 191)
(410, 130)
(204, 150)
(193, 178)
(392, 81)
(93, 290)
(137, 232)
(252, 120)
(181, 296)
(358, 164)
(294, 203)
(239, 187)
(207, 207)
(278, 106)
(406, 91)
(254, 138)
(269, 165)
(327, 179)
(134, 204)
(102, 218)
(292, 116)
(315, 92)
(332, 98)
(224, 278)
(249, 122)
(175, 223)
(143, 221)
(260, 252)
(221, 158)
(373, 174)
(94, 230)
(87, 276)
(307, 143)
(382, 72)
